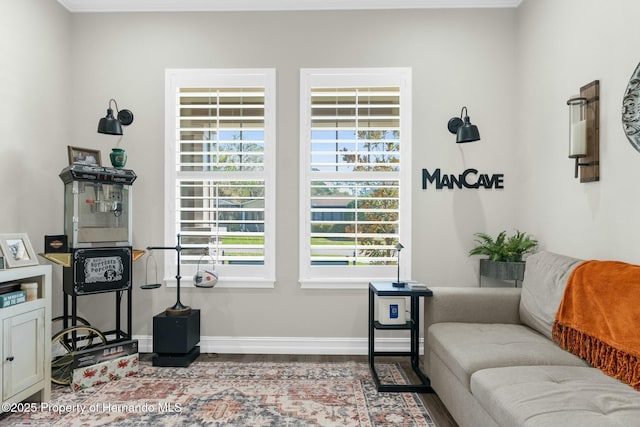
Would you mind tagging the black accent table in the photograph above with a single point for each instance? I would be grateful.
(386, 289)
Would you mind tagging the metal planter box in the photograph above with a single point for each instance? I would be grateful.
(502, 270)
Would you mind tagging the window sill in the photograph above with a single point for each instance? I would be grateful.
(355, 283)
(233, 283)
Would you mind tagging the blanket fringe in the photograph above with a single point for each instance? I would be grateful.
(613, 362)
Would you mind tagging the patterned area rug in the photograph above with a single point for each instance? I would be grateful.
(238, 394)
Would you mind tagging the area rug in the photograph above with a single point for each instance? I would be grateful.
(239, 394)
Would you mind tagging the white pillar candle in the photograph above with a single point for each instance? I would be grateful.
(578, 146)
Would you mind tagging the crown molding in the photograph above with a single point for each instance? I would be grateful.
(80, 6)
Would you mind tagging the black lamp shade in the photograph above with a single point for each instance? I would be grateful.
(467, 132)
(464, 130)
(109, 124)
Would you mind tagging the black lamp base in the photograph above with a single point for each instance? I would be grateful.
(399, 284)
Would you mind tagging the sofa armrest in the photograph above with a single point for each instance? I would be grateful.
(472, 305)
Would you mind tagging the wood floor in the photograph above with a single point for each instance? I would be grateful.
(438, 411)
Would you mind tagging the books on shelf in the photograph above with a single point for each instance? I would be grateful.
(12, 298)
(6, 287)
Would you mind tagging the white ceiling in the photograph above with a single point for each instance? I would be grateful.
(265, 5)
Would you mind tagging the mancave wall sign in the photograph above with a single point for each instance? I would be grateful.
(470, 178)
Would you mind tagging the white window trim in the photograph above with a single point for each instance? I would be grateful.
(230, 276)
(342, 277)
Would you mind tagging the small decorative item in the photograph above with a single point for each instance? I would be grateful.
(505, 255)
(118, 157)
(17, 250)
(398, 283)
(503, 247)
(31, 290)
(12, 298)
(56, 244)
(83, 156)
(631, 109)
(584, 132)
(577, 127)
(148, 284)
(391, 311)
(204, 277)
(178, 309)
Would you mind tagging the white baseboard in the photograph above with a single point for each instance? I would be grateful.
(289, 345)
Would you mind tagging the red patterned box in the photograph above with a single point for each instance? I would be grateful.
(103, 372)
(102, 353)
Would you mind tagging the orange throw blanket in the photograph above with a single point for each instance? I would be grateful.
(599, 318)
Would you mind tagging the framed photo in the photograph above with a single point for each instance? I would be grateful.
(55, 244)
(17, 250)
(84, 156)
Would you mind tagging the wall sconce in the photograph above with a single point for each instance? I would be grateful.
(584, 132)
(112, 126)
(464, 130)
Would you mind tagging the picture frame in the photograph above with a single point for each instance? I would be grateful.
(17, 250)
(56, 244)
(84, 156)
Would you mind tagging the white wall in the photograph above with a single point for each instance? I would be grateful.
(35, 118)
(34, 115)
(562, 46)
(458, 57)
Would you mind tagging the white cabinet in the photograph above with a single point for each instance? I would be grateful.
(25, 344)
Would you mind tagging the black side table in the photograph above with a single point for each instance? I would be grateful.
(386, 289)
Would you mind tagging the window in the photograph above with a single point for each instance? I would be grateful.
(355, 136)
(220, 173)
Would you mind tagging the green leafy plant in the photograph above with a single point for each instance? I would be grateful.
(504, 248)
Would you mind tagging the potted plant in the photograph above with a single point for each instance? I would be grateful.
(505, 254)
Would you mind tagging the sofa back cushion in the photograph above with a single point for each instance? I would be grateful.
(545, 278)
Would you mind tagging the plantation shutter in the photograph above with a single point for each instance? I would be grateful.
(354, 175)
(220, 169)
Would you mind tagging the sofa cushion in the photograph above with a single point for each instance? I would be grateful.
(469, 347)
(553, 396)
(545, 278)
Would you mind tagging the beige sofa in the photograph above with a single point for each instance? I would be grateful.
(491, 359)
